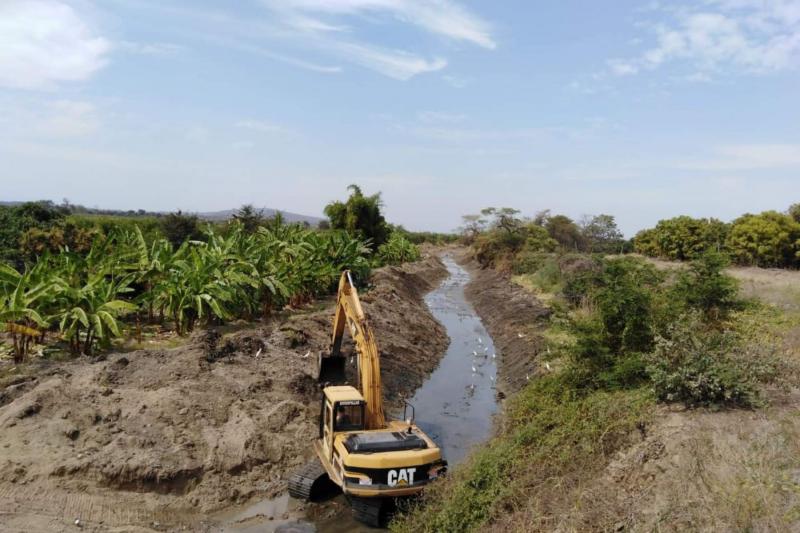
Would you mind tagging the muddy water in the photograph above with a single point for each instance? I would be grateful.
(454, 406)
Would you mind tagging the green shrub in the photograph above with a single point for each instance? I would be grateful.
(698, 365)
(581, 276)
(706, 287)
(397, 250)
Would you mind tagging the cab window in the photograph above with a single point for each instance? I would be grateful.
(348, 416)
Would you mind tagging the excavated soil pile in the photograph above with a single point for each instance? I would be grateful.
(514, 318)
(155, 438)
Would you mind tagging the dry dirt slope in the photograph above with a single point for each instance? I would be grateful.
(154, 439)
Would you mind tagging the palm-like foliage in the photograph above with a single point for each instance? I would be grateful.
(20, 298)
(90, 311)
(236, 275)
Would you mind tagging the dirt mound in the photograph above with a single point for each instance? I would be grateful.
(154, 438)
(514, 318)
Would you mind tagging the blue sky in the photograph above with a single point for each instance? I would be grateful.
(641, 110)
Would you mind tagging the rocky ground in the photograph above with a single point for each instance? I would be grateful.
(159, 439)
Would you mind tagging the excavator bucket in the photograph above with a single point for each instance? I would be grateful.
(330, 369)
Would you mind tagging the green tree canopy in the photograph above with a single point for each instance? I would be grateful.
(682, 238)
(360, 215)
(178, 227)
(768, 239)
(601, 234)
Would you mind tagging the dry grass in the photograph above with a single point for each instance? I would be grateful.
(775, 286)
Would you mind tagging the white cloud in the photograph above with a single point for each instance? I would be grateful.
(751, 36)
(622, 68)
(323, 24)
(441, 17)
(44, 42)
(396, 64)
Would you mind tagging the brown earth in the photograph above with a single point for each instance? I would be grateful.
(514, 318)
(157, 439)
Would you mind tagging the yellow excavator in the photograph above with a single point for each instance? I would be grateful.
(371, 459)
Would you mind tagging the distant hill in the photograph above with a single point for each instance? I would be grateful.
(265, 211)
(225, 214)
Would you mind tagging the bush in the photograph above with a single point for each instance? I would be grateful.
(178, 228)
(700, 367)
(610, 339)
(528, 262)
(706, 287)
(397, 250)
(581, 276)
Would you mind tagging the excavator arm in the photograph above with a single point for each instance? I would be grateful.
(350, 314)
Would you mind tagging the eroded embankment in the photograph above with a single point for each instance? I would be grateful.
(515, 318)
(156, 438)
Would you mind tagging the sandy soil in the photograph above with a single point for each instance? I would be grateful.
(160, 439)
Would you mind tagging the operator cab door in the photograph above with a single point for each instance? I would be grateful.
(327, 428)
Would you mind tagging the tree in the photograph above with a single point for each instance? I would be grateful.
(794, 212)
(249, 217)
(505, 218)
(682, 238)
(16, 220)
(768, 239)
(472, 227)
(360, 215)
(601, 234)
(565, 231)
(178, 228)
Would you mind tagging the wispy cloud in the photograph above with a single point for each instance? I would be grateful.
(45, 42)
(741, 157)
(150, 49)
(397, 64)
(327, 26)
(456, 82)
(441, 17)
(750, 36)
(260, 126)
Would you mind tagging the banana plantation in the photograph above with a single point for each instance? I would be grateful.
(83, 299)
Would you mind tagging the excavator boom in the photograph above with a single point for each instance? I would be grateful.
(350, 314)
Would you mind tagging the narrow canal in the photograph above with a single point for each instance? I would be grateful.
(454, 406)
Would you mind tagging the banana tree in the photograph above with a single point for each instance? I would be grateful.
(195, 287)
(90, 312)
(20, 296)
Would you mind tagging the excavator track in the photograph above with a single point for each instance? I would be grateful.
(369, 511)
(303, 482)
